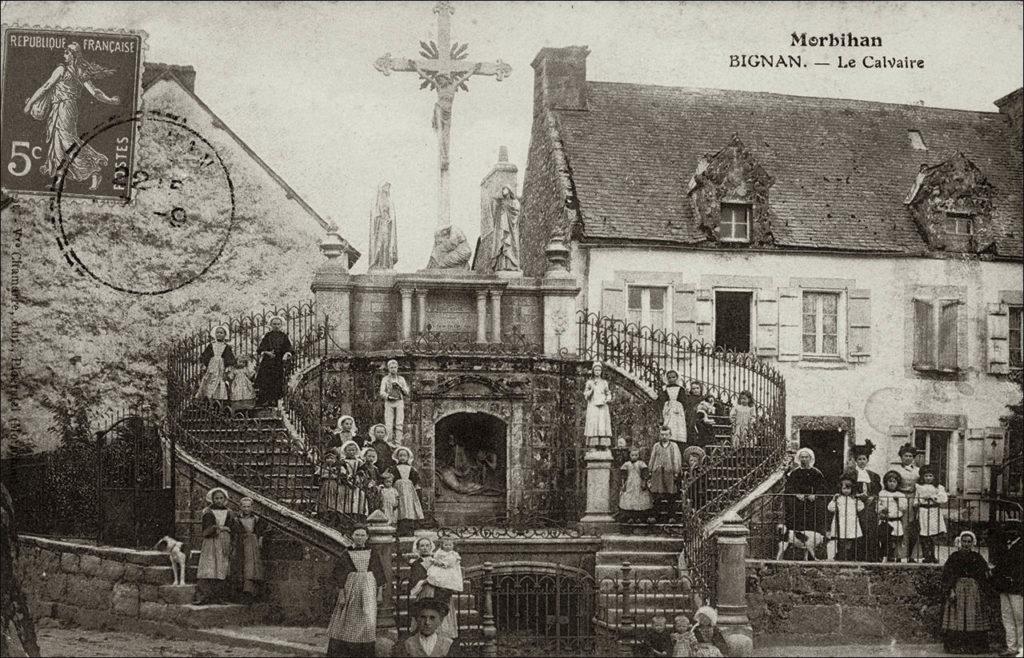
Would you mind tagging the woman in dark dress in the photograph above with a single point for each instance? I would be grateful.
(964, 619)
(275, 351)
(868, 485)
(805, 504)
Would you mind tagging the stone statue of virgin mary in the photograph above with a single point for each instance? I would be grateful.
(383, 231)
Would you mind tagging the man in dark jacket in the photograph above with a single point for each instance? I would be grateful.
(1008, 580)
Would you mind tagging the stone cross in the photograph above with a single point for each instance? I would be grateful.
(443, 69)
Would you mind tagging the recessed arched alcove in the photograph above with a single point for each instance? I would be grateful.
(470, 463)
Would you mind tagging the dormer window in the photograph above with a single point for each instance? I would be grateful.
(735, 222)
(959, 223)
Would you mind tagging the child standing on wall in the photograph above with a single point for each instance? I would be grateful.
(930, 518)
(845, 522)
(215, 555)
(634, 498)
(892, 506)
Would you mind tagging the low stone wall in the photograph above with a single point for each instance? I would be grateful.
(846, 600)
(94, 586)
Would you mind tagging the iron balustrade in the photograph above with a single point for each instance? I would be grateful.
(910, 519)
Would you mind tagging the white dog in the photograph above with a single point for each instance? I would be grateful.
(173, 547)
(808, 540)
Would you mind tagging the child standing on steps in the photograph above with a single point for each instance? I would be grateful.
(215, 556)
(329, 472)
(930, 520)
(389, 498)
(243, 394)
(845, 522)
(892, 506)
(407, 483)
(740, 416)
(634, 499)
(251, 529)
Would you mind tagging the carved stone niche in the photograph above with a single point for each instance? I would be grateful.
(732, 175)
(955, 187)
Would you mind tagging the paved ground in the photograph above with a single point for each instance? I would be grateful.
(81, 642)
(892, 649)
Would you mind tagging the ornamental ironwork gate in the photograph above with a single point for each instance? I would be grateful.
(135, 482)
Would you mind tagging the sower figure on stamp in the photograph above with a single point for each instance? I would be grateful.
(353, 627)
(57, 102)
(275, 351)
(393, 390)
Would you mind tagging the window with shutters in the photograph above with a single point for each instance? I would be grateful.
(647, 306)
(935, 334)
(935, 445)
(1016, 337)
(959, 223)
(735, 222)
(821, 324)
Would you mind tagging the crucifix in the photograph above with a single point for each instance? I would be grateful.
(443, 69)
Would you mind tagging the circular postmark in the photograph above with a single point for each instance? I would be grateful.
(178, 220)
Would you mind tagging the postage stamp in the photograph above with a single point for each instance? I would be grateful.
(58, 85)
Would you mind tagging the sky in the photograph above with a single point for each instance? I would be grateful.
(296, 80)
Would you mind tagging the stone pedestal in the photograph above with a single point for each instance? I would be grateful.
(332, 288)
(598, 517)
(732, 585)
(383, 543)
(560, 291)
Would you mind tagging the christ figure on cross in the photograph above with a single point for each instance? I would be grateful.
(443, 69)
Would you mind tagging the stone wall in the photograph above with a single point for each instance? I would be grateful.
(845, 601)
(95, 586)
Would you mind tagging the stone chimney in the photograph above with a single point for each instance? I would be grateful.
(502, 174)
(560, 78)
(1010, 105)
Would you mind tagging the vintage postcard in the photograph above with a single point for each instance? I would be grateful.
(470, 328)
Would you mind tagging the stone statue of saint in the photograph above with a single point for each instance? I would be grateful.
(451, 252)
(383, 231)
(505, 211)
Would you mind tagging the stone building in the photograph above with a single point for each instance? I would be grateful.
(871, 252)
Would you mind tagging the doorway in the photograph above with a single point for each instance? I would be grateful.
(828, 453)
(732, 320)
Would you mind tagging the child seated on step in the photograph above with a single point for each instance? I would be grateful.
(242, 394)
(655, 639)
(704, 637)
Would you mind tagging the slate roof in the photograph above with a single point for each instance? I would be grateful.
(842, 168)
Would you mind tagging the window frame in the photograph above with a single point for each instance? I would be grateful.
(945, 477)
(841, 322)
(954, 218)
(1018, 310)
(645, 304)
(748, 213)
(753, 313)
(937, 305)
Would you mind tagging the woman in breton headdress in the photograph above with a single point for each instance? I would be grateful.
(216, 359)
(353, 627)
(345, 431)
(407, 481)
(805, 502)
(866, 490)
(964, 618)
(275, 351)
(56, 101)
(215, 554)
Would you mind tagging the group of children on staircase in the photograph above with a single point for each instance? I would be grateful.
(230, 558)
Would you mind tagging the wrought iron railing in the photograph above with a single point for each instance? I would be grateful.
(928, 527)
(433, 343)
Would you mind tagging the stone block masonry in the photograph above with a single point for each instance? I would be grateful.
(844, 601)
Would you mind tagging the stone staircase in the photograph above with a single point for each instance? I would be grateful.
(652, 586)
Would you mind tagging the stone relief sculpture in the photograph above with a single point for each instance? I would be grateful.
(383, 231)
(505, 211)
(451, 251)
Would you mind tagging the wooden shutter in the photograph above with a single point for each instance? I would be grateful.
(998, 339)
(684, 313)
(767, 340)
(924, 334)
(703, 311)
(947, 342)
(613, 300)
(858, 324)
(790, 339)
(976, 470)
